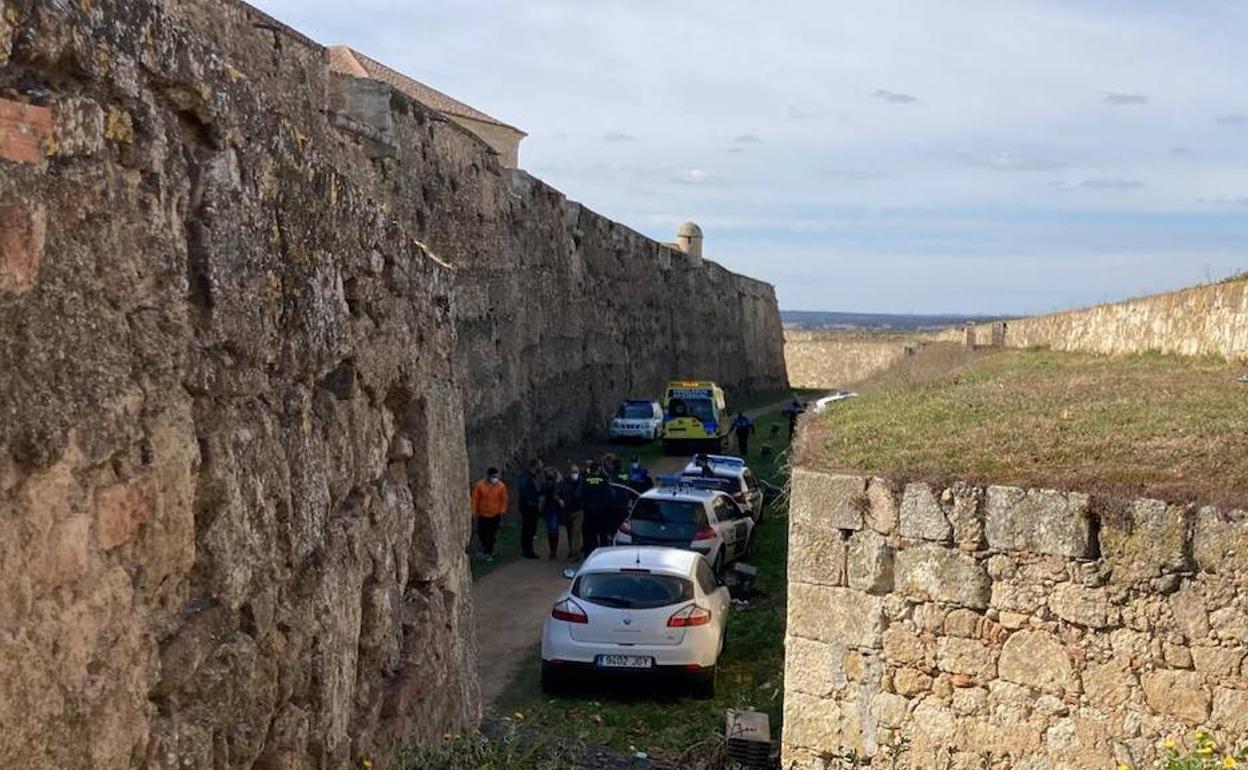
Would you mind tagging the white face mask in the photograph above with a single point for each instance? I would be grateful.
(574, 476)
(493, 479)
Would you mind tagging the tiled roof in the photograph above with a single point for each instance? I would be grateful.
(347, 60)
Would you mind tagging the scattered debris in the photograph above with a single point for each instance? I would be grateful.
(749, 738)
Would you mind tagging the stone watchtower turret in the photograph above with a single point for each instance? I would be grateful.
(689, 240)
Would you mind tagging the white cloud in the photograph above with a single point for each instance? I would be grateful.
(893, 97)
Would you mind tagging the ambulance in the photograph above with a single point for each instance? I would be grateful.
(694, 417)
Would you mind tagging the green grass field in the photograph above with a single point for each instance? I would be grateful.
(1162, 426)
(670, 726)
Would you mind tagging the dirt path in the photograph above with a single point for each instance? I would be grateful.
(512, 601)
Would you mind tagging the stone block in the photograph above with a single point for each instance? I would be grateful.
(1150, 540)
(835, 615)
(1229, 623)
(1040, 521)
(936, 573)
(869, 563)
(120, 509)
(1220, 541)
(65, 553)
(1188, 607)
(881, 513)
(966, 515)
(1082, 606)
(902, 645)
(911, 682)
(1218, 662)
(1178, 694)
(23, 229)
(814, 668)
(890, 710)
(813, 723)
(78, 127)
(966, 656)
(921, 515)
(964, 623)
(816, 555)
(827, 500)
(1230, 710)
(1036, 659)
(25, 131)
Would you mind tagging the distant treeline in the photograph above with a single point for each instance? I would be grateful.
(808, 319)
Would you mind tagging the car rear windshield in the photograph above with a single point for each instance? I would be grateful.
(638, 411)
(632, 590)
(668, 511)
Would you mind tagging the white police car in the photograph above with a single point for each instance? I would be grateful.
(745, 489)
(679, 514)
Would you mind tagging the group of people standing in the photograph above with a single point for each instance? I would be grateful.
(586, 507)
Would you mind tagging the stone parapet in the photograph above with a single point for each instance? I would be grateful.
(1024, 628)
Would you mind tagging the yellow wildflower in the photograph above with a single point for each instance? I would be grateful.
(368, 763)
(1124, 767)
(1205, 751)
(1229, 762)
(1169, 744)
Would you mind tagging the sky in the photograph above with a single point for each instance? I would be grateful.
(970, 156)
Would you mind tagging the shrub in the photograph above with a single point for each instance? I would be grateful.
(1203, 754)
(509, 750)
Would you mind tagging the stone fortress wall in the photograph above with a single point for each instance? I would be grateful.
(255, 318)
(834, 359)
(1203, 320)
(998, 627)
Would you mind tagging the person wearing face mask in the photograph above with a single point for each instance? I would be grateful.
(489, 505)
(573, 510)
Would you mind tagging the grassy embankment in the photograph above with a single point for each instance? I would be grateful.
(669, 726)
(1120, 426)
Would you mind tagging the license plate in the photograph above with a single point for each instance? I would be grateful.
(624, 661)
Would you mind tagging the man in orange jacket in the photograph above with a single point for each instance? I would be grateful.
(489, 504)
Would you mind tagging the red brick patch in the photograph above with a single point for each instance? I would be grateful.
(22, 232)
(24, 131)
(120, 510)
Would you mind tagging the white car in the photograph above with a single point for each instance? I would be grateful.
(745, 489)
(638, 420)
(683, 516)
(637, 611)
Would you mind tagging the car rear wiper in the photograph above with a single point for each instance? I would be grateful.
(612, 601)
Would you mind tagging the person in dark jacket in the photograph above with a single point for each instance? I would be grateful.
(530, 507)
(597, 497)
(552, 505)
(743, 426)
(639, 477)
(792, 411)
(573, 510)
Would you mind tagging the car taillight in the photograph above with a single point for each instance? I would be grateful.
(706, 533)
(569, 611)
(626, 528)
(693, 615)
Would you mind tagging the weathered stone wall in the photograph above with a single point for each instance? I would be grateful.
(1000, 627)
(833, 359)
(1204, 320)
(243, 304)
(567, 312)
(232, 460)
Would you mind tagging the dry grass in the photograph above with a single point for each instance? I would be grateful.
(1161, 426)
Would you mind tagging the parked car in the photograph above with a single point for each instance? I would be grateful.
(745, 489)
(638, 611)
(638, 420)
(684, 516)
